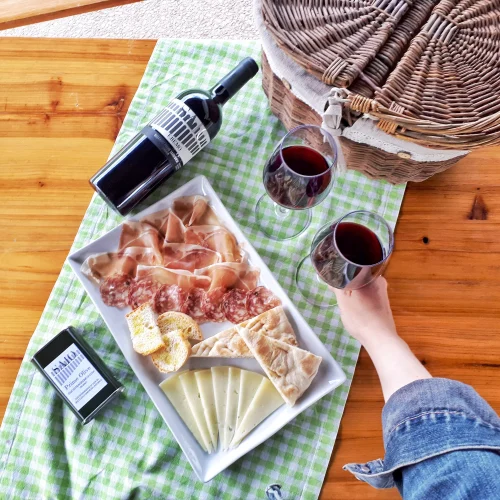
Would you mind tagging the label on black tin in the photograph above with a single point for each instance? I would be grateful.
(75, 376)
(178, 124)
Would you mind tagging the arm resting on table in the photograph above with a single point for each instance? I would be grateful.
(442, 441)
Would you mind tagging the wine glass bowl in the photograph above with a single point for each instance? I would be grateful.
(298, 176)
(346, 254)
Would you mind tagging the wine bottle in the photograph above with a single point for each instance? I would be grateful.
(168, 141)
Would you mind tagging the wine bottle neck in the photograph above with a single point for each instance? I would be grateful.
(234, 81)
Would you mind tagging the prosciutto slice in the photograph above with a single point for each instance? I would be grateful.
(101, 265)
(230, 275)
(189, 210)
(179, 277)
(140, 234)
(175, 230)
(216, 238)
(158, 220)
(188, 257)
(169, 226)
(195, 210)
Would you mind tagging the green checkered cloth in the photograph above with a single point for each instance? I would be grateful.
(128, 451)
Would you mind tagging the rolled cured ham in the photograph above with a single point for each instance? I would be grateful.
(189, 210)
(164, 276)
(216, 238)
(99, 266)
(231, 275)
(195, 210)
(140, 234)
(174, 231)
(188, 257)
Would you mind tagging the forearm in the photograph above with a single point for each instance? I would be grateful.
(396, 365)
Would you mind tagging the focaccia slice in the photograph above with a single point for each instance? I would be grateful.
(289, 368)
(228, 344)
(273, 323)
(225, 344)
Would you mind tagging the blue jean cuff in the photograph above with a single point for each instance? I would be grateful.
(428, 418)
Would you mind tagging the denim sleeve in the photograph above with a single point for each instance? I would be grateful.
(442, 441)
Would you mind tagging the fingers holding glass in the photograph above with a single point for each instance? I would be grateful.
(346, 254)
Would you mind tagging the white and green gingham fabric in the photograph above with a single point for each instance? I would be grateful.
(128, 451)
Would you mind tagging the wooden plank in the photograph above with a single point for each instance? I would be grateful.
(8, 369)
(49, 151)
(445, 292)
(15, 13)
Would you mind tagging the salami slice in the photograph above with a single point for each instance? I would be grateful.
(142, 291)
(260, 300)
(114, 290)
(212, 305)
(193, 305)
(234, 305)
(169, 298)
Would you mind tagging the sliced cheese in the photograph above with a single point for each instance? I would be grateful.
(266, 401)
(220, 378)
(233, 396)
(175, 393)
(249, 384)
(206, 390)
(190, 386)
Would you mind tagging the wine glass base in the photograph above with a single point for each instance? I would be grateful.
(279, 223)
(313, 289)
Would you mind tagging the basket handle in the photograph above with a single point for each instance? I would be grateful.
(333, 114)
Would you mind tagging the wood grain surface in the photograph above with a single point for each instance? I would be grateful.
(61, 106)
(14, 13)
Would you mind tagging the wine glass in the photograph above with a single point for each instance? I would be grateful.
(346, 254)
(298, 176)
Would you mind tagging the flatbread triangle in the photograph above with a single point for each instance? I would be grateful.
(228, 344)
(289, 368)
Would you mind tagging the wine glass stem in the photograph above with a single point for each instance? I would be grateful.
(281, 212)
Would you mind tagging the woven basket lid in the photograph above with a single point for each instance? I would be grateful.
(450, 73)
(377, 70)
(433, 77)
(334, 39)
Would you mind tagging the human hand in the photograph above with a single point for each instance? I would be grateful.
(366, 313)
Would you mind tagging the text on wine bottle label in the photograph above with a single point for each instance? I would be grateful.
(182, 129)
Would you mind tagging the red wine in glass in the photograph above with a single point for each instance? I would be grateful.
(297, 177)
(350, 255)
(347, 253)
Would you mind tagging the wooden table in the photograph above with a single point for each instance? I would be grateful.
(61, 106)
(14, 13)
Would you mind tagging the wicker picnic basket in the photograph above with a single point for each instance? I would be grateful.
(421, 76)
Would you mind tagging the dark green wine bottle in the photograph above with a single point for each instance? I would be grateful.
(168, 142)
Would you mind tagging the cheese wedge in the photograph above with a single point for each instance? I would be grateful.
(233, 396)
(175, 393)
(190, 386)
(220, 378)
(249, 384)
(206, 390)
(266, 400)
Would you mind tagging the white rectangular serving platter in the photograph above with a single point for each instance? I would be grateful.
(206, 466)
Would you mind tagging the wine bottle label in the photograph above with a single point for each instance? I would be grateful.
(178, 124)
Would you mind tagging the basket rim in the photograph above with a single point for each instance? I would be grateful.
(400, 121)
